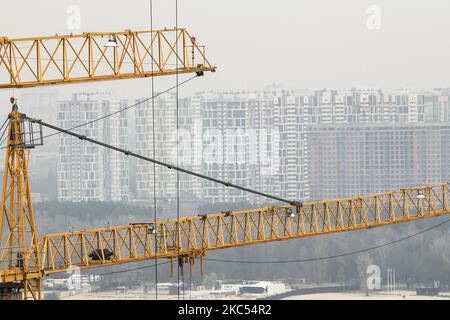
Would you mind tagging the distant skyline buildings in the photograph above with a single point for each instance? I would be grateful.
(241, 144)
(257, 139)
(357, 159)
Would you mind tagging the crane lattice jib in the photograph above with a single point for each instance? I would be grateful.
(95, 56)
(193, 237)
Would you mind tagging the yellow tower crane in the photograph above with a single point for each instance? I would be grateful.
(25, 260)
(20, 244)
(65, 59)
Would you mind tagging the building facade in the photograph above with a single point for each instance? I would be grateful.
(263, 140)
(86, 172)
(241, 144)
(167, 146)
(365, 106)
(354, 159)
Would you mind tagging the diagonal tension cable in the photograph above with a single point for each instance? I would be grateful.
(163, 164)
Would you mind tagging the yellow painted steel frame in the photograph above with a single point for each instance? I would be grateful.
(29, 62)
(19, 256)
(24, 261)
(192, 237)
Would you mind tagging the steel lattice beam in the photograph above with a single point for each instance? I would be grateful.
(193, 237)
(30, 62)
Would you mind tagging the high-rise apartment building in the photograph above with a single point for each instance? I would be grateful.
(230, 136)
(356, 159)
(166, 148)
(87, 172)
(364, 106)
(241, 144)
(293, 148)
(259, 139)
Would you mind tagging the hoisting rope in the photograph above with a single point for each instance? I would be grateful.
(163, 164)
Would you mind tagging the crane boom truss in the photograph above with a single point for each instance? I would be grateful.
(29, 62)
(192, 237)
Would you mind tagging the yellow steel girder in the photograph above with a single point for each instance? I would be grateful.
(39, 61)
(192, 237)
(19, 255)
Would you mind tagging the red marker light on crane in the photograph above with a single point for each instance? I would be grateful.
(193, 40)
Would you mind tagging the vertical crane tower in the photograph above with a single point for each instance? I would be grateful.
(19, 237)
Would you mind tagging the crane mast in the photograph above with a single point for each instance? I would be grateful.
(19, 253)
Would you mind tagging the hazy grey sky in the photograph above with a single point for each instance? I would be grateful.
(301, 44)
